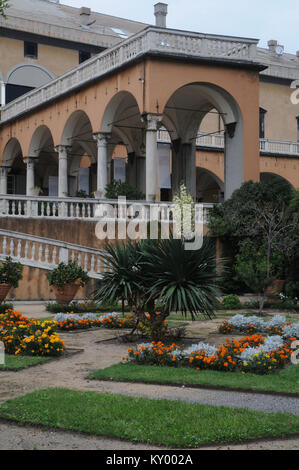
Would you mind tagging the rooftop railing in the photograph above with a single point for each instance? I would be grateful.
(152, 39)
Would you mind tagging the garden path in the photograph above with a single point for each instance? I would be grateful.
(71, 373)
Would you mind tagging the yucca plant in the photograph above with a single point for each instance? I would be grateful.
(180, 280)
(121, 280)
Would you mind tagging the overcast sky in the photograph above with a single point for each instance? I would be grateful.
(262, 19)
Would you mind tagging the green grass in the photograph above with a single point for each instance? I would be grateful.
(15, 363)
(144, 420)
(285, 382)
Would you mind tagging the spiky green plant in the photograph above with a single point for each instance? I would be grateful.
(121, 280)
(180, 280)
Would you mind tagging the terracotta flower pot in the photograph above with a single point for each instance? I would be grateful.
(4, 290)
(275, 289)
(65, 294)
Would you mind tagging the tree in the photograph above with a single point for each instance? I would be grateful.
(264, 216)
(3, 6)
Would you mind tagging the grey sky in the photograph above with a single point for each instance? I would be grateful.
(263, 19)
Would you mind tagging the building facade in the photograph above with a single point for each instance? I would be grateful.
(37, 48)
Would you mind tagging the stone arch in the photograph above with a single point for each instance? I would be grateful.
(41, 148)
(122, 122)
(15, 173)
(209, 187)
(270, 176)
(24, 77)
(186, 109)
(77, 135)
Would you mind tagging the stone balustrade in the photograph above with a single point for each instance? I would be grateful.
(46, 253)
(87, 209)
(217, 141)
(150, 40)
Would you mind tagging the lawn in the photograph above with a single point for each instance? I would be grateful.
(15, 363)
(144, 420)
(285, 382)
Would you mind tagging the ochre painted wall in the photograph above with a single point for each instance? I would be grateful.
(56, 59)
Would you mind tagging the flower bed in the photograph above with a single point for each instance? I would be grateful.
(22, 336)
(70, 322)
(253, 324)
(257, 354)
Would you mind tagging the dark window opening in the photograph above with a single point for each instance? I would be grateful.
(83, 56)
(13, 92)
(262, 123)
(297, 128)
(30, 50)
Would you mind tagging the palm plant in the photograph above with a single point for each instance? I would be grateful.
(162, 272)
(180, 280)
(121, 280)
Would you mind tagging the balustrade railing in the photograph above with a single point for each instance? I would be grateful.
(151, 39)
(270, 146)
(46, 253)
(87, 209)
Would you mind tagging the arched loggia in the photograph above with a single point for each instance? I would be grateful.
(13, 169)
(186, 109)
(122, 126)
(77, 144)
(44, 161)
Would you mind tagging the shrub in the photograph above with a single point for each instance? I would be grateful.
(117, 188)
(231, 302)
(69, 273)
(10, 272)
(5, 307)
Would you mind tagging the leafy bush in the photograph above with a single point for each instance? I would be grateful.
(10, 272)
(117, 188)
(85, 307)
(5, 307)
(69, 273)
(231, 302)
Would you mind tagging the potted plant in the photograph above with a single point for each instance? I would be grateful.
(10, 275)
(98, 194)
(36, 191)
(66, 280)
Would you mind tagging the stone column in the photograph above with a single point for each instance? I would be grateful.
(30, 177)
(62, 151)
(141, 183)
(3, 179)
(152, 125)
(3, 93)
(102, 139)
(189, 153)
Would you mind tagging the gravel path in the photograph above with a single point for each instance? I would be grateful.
(256, 401)
(72, 372)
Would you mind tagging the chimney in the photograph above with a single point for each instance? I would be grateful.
(85, 15)
(275, 48)
(161, 10)
(272, 45)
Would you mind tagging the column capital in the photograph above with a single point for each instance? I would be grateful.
(152, 121)
(101, 137)
(30, 160)
(62, 150)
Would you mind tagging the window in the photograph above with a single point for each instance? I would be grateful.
(83, 56)
(262, 123)
(297, 128)
(30, 50)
